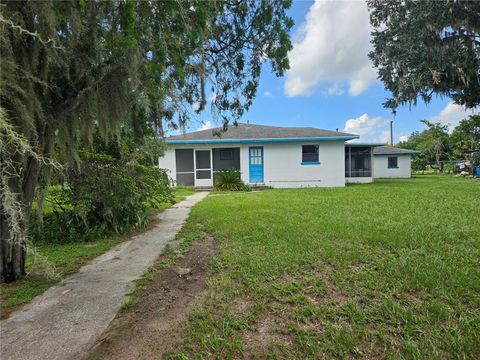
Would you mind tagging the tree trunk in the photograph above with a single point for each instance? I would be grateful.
(12, 254)
(13, 247)
(437, 160)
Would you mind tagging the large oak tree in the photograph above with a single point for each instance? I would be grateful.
(70, 69)
(428, 47)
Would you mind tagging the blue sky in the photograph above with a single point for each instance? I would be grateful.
(331, 83)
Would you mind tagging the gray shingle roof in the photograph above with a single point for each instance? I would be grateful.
(390, 150)
(255, 132)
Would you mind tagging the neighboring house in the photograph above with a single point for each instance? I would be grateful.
(392, 162)
(280, 157)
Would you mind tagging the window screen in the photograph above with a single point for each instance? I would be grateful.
(359, 163)
(184, 160)
(202, 158)
(221, 160)
(392, 162)
(185, 179)
(184, 164)
(204, 174)
(226, 154)
(309, 153)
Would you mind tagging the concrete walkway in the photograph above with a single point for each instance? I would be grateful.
(67, 319)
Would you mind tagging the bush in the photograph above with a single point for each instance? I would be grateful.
(476, 158)
(103, 195)
(230, 180)
(419, 163)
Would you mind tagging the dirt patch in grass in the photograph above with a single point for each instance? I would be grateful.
(241, 305)
(268, 335)
(153, 324)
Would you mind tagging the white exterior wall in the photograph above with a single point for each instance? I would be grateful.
(359, 180)
(167, 161)
(381, 170)
(282, 163)
(244, 162)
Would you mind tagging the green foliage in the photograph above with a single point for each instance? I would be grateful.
(72, 70)
(103, 195)
(419, 163)
(126, 146)
(436, 144)
(230, 180)
(433, 143)
(421, 48)
(466, 137)
(476, 158)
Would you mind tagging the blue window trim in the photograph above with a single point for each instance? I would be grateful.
(219, 141)
(310, 163)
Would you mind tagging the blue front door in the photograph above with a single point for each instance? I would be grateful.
(256, 164)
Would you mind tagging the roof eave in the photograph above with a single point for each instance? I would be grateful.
(266, 140)
(360, 144)
(398, 153)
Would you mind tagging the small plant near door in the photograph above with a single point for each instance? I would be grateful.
(230, 180)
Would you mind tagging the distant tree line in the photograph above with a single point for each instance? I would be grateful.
(438, 146)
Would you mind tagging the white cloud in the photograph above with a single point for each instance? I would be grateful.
(335, 89)
(332, 46)
(385, 137)
(370, 129)
(206, 125)
(268, 94)
(403, 138)
(452, 114)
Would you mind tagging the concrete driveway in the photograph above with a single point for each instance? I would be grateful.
(67, 319)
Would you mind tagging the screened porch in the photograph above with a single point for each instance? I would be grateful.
(200, 167)
(358, 161)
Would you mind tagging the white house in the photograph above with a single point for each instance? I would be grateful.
(280, 157)
(392, 162)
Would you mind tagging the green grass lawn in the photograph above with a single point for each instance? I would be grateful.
(383, 270)
(65, 259)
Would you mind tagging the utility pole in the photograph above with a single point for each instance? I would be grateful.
(391, 132)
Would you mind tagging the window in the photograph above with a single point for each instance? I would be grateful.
(392, 162)
(309, 153)
(226, 154)
(256, 156)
